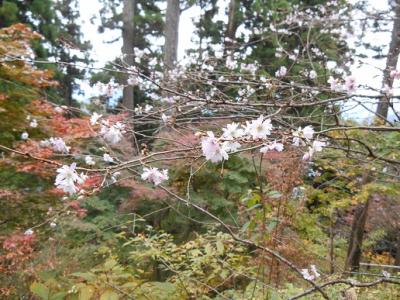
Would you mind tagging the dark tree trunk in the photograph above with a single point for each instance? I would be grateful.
(356, 237)
(391, 62)
(128, 29)
(354, 250)
(397, 258)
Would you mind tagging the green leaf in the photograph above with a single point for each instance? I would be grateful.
(109, 264)
(86, 292)
(40, 290)
(87, 275)
(58, 296)
(109, 295)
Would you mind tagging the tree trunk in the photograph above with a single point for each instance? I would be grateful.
(391, 62)
(356, 237)
(397, 258)
(171, 32)
(357, 231)
(127, 48)
(332, 243)
(232, 26)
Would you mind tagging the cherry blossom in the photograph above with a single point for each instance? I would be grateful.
(148, 108)
(212, 150)
(138, 110)
(230, 146)
(154, 175)
(165, 118)
(272, 146)
(232, 131)
(24, 136)
(281, 72)
(59, 145)
(94, 118)
(307, 133)
(114, 176)
(107, 158)
(112, 134)
(395, 74)
(335, 85)
(132, 80)
(350, 84)
(259, 128)
(89, 160)
(58, 109)
(310, 275)
(386, 274)
(33, 123)
(317, 146)
(28, 232)
(67, 177)
(312, 74)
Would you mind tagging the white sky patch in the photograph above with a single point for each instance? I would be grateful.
(368, 71)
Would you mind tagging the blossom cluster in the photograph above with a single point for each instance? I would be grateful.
(112, 133)
(311, 274)
(258, 130)
(350, 84)
(57, 144)
(154, 175)
(67, 178)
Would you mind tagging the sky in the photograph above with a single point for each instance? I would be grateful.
(368, 71)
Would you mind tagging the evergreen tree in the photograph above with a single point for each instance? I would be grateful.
(58, 22)
(147, 25)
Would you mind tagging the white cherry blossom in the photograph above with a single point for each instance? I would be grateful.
(107, 158)
(59, 145)
(24, 136)
(281, 72)
(335, 85)
(28, 232)
(33, 123)
(89, 160)
(230, 146)
(312, 74)
(165, 118)
(154, 175)
(67, 178)
(312, 274)
(272, 146)
(112, 134)
(212, 150)
(94, 118)
(350, 84)
(259, 128)
(232, 131)
(148, 108)
(307, 133)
